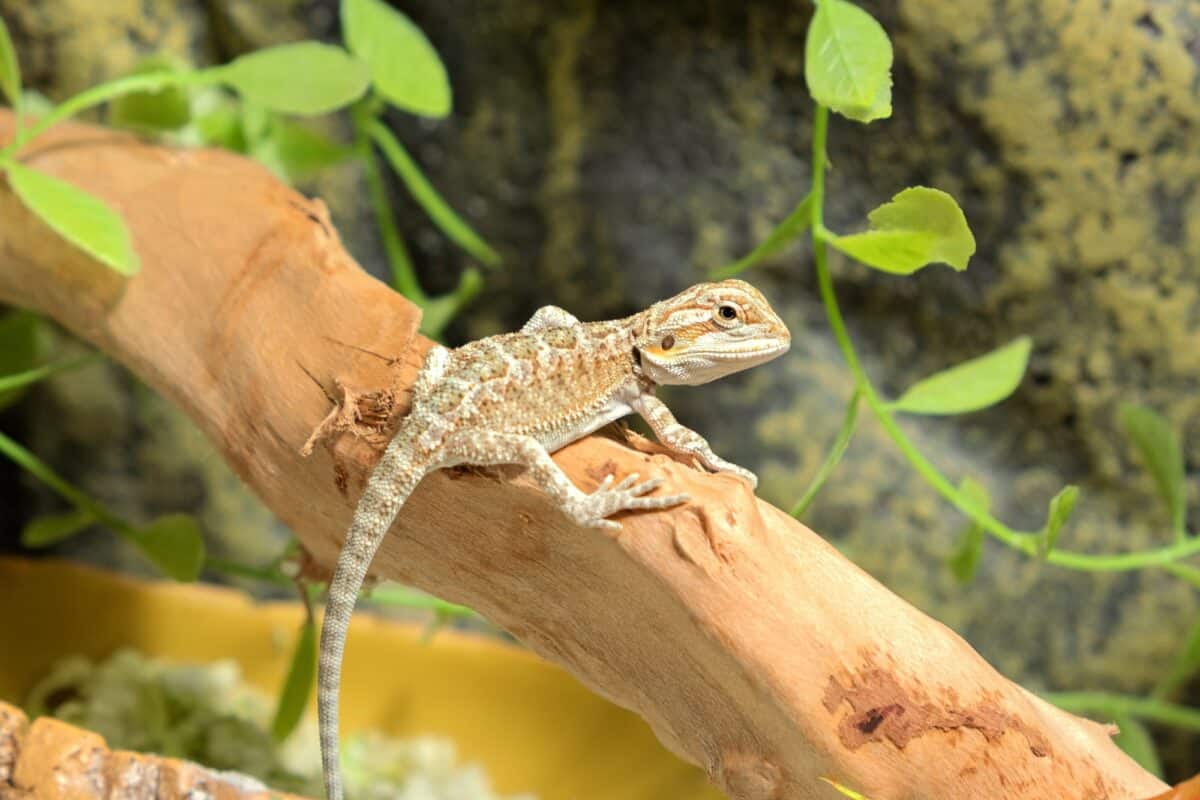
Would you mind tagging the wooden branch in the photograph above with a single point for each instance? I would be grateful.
(752, 647)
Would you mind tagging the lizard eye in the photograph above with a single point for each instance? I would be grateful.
(727, 311)
(668, 342)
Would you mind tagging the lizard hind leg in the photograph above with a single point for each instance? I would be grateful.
(591, 510)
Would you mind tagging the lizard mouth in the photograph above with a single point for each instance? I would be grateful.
(760, 350)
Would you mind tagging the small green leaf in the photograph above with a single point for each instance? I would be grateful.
(166, 109)
(792, 226)
(848, 61)
(54, 528)
(919, 226)
(297, 687)
(965, 559)
(423, 192)
(1061, 506)
(405, 68)
(296, 153)
(301, 78)
(10, 71)
(173, 543)
(83, 220)
(1135, 740)
(971, 385)
(1159, 450)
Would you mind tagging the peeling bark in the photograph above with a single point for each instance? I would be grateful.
(752, 647)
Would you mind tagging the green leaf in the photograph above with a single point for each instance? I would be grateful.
(1159, 450)
(83, 220)
(423, 192)
(166, 109)
(848, 61)
(297, 687)
(1135, 740)
(1061, 506)
(173, 543)
(832, 458)
(54, 528)
(18, 350)
(405, 68)
(10, 71)
(792, 226)
(971, 385)
(296, 152)
(301, 78)
(965, 559)
(919, 226)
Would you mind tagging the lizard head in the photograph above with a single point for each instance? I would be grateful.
(709, 331)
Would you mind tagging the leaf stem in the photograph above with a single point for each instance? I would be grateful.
(42, 471)
(144, 82)
(428, 197)
(840, 443)
(792, 226)
(20, 380)
(404, 597)
(1024, 541)
(1121, 705)
(269, 574)
(1182, 668)
(404, 278)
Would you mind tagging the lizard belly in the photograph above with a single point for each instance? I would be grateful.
(616, 408)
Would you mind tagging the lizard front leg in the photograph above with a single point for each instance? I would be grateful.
(591, 510)
(683, 439)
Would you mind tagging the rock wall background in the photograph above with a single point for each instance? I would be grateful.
(614, 151)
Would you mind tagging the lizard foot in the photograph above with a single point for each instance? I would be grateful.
(718, 464)
(625, 496)
(743, 473)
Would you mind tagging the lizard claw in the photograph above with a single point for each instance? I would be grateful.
(628, 495)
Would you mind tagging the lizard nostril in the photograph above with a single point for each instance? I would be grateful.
(668, 342)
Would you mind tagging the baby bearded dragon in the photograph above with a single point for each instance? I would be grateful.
(517, 397)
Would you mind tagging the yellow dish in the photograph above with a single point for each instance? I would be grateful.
(530, 725)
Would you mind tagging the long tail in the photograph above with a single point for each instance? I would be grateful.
(387, 490)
